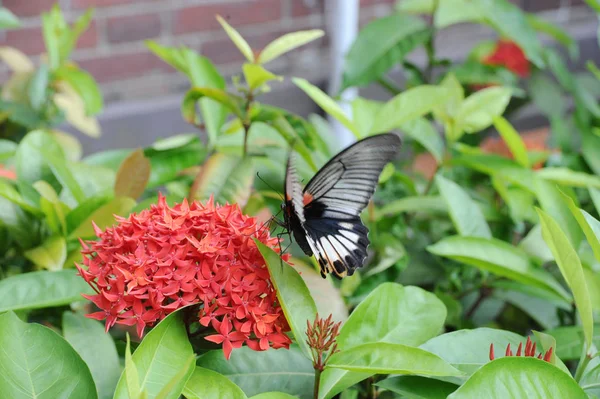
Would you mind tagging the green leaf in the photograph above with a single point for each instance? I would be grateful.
(510, 21)
(589, 225)
(38, 87)
(547, 342)
(161, 355)
(468, 350)
(273, 395)
(237, 39)
(188, 106)
(364, 112)
(293, 295)
(84, 84)
(10, 193)
(423, 132)
(380, 45)
(103, 217)
(555, 32)
(417, 387)
(408, 105)
(431, 203)
(326, 103)
(53, 25)
(499, 258)
(386, 358)
(256, 76)
(394, 314)
(551, 200)
(570, 341)
(569, 177)
(286, 43)
(466, 216)
(133, 175)
(446, 111)
(96, 348)
(255, 372)
(51, 255)
(226, 177)
(43, 289)
(167, 164)
(519, 377)
(30, 163)
(8, 20)
(513, 140)
(131, 375)
(205, 383)
(38, 363)
(571, 269)
(477, 111)
(595, 194)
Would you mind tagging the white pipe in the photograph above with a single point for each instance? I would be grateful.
(343, 28)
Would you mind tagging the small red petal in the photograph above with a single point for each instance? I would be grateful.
(491, 351)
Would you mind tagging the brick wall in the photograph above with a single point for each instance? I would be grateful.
(113, 48)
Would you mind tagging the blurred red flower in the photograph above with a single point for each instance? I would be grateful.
(164, 258)
(7, 173)
(509, 55)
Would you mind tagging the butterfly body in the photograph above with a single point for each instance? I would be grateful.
(325, 217)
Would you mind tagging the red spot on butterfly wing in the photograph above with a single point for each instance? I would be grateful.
(307, 199)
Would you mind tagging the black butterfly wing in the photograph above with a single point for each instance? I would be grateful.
(334, 198)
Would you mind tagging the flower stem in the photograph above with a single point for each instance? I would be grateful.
(317, 382)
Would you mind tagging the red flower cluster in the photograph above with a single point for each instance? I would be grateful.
(163, 258)
(528, 352)
(509, 55)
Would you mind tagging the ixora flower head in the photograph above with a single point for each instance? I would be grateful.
(164, 258)
(509, 55)
(528, 352)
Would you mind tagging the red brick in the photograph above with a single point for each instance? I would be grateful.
(202, 18)
(133, 28)
(28, 8)
(117, 67)
(31, 41)
(79, 4)
(299, 8)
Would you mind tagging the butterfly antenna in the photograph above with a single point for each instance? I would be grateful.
(268, 185)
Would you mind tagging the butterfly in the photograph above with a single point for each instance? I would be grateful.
(325, 216)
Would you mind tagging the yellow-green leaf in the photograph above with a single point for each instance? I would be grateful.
(256, 75)
(237, 39)
(50, 255)
(513, 140)
(326, 103)
(16, 60)
(570, 266)
(286, 43)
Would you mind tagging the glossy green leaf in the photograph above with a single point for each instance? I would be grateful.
(160, 356)
(423, 132)
(10, 193)
(386, 358)
(96, 348)
(547, 342)
(478, 111)
(569, 177)
(293, 295)
(416, 387)
(84, 84)
(394, 314)
(589, 225)
(44, 289)
(273, 395)
(571, 269)
(254, 372)
(408, 105)
(256, 75)
(30, 164)
(497, 257)
(468, 350)
(103, 217)
(379, 46)
(226, 177)
(497, 166)
(364, 112)
(430, 203)
(513, 140)
(131, 374)
(237, 39)
(205, 383)
(168, 163)
(286, 43)
(38, 363)
(518, 377)
(465, 214)
(50, 255)
(446, 111)
(326, 103)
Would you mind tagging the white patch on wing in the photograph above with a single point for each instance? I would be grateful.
(341, 249)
